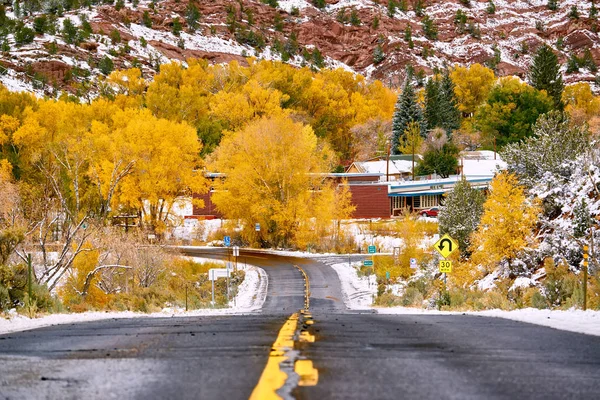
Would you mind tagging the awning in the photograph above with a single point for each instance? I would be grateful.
(421, 193)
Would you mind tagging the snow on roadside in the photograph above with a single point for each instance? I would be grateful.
(250, 298)
(358, 291)
(21, 323)
(587, 322)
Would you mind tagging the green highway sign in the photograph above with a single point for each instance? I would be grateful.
(372, 249)
(368, 263)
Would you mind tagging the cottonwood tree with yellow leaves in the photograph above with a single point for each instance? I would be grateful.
(85, 160)
(507, 223)
(274, 176)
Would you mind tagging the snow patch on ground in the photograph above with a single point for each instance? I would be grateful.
(587, 322)
(250, 298)
(358, 291)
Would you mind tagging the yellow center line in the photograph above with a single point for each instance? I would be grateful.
(273, 378)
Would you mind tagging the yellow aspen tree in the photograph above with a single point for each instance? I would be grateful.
(507, 223)
(271, 168)
(472, 86)
(167, 164)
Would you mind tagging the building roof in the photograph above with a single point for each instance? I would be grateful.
(397, 167)
(481, 163)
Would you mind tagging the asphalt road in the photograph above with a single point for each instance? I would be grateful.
(357, 355)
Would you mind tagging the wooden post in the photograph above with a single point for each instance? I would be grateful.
(29, 276)
(387, 168)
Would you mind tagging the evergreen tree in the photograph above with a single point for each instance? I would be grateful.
(429, 28)
(555, 141)
(491, 7)
(319, 3)
(593, 11)
(572, 64)
(418, 7)
(391, 8)
(106, 65)
(461, 213)
(192, 16)
(582, 219)
(450, 114)
(441, 161)
(378, 55)
(375, 23)
(574, 13)
(552, 5)
(354, 18)
(146, 20)
(432, 103)
(176, 27)
(407, 110)
(544, 74)
(317, 58)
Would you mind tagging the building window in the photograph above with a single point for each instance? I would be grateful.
(398, 203)
(417, 202)
(428, 201)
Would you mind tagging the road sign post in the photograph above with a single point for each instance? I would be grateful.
(368, 263)
(236, 254)
(445, 266)
(445, 246)
(413, 263)
(227, 241)
(372, 249)
(216, 273)
(257, 227)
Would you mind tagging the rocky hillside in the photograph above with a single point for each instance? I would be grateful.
(52, 45)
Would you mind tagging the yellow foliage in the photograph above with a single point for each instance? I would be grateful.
(581, 103)
(70, 292)
(507, 222)
(8, 125)
(166, 162)
(270, 166)
(472, 86)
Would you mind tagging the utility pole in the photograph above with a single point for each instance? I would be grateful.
(387, 167)
(29, 276)
(585, 266)
(413, 160)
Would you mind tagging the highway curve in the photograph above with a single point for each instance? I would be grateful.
(318, 352)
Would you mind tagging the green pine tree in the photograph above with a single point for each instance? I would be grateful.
(429, 28)
(552, 5)
(544, 74)
(574, 13)
(461, 213)
(432, 103)
(572, 64)
(582, 219)
(378, 54)
(491, 7)
(146, 20)
(391, 8)
(449, 112)
(441, 161)
(192, 16)
(407, 110)
(319, 3)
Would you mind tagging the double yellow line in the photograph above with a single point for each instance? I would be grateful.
(273, 377)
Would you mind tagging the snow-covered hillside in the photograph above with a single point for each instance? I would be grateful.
(47, 55)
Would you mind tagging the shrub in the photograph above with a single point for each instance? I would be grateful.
(412, 297)
(106, 65)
